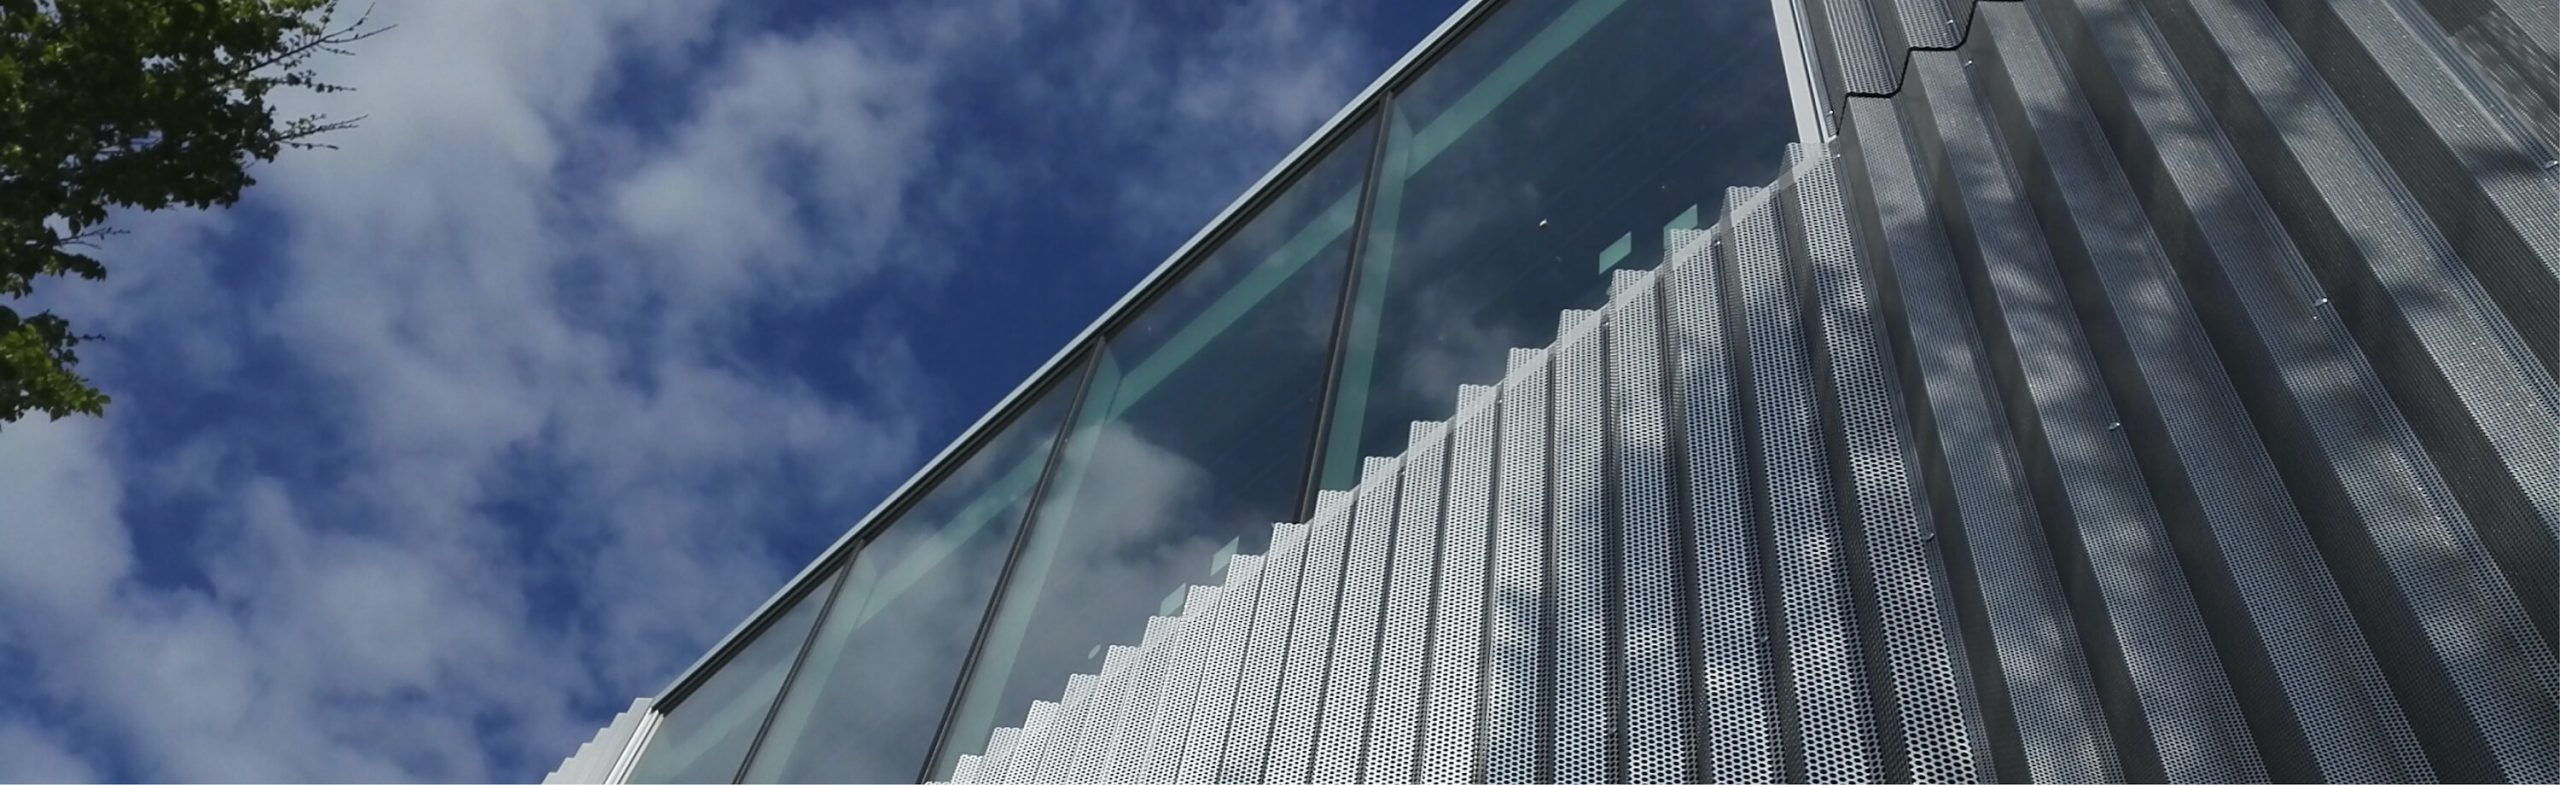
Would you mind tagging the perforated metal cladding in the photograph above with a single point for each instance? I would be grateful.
(1824, 656)
(2351, 430)
(1925, 24)
(1044, 732)
(1910, 602)
(1132, 728)
(1230, 624)
(2407, 278)
(998, 744)
(2350, 721)
(1293, 732)
(1453, 725)
(1035, 724)
(1355, 639)
(1582, 691)
(1404, 641)
(2490, 375)
(1859, 54)
(1740, 717)
(2197, 724)
(1258, 685)
(1187, 655)
(1657, 691)
(1059, 743)
(1517, 684)
(2053, 699)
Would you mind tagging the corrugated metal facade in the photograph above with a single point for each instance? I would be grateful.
(2133, 389)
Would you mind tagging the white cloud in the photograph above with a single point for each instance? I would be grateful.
(36, 756)
(483, 458)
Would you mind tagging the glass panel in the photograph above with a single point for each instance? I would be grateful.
(1550, 147)
(1191, 442)
(705, 736)
(877, 679)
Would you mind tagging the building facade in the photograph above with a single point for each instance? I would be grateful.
(1808, 390)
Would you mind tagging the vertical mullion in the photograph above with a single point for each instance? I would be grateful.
(835, 587)
(1021, 536)
(1311, 477)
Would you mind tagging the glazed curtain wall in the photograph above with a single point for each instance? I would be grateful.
(1542, 148)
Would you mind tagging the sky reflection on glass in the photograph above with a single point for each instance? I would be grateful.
(705, 737)
(1550, 147)
(881, 668)
(1191, 441)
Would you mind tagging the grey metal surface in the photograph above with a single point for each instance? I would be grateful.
(1453, 729)
(1353, 667)
(1581, 559)
(1739, 691)
(1258, 687)
(1293, 728)
(1404, 640)
(1214, 705)
(1516, 680)
(1659, 704)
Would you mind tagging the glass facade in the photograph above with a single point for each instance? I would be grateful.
(1191, 443)
(1545, 145)
(704, 737)
(1545, 150)
(879, 672)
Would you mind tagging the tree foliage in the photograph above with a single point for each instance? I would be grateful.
(135, 104)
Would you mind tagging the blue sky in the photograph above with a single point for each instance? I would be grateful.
(443, 445)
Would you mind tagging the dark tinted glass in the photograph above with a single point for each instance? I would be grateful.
(704, 737)
(1191, 442)
(1548, 148)
(881, 669)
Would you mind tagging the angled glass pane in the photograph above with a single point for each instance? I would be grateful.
(881, 669)
(1192, 440)
(1549, 148)
(704, 737)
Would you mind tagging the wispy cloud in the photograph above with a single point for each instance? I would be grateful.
(445, 443)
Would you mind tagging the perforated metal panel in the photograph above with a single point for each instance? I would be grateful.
(1453, 725)
(1185, 655)
(2350, 723)
(2200, 733)
(1258, 686)
(1740, 717)
(1353, 668)
(1581, 560)
(1909, 605)
(1404, 640)
(2060, 728)
(1516, 686)
(1229, 625)
(1657, 689)
(999, 744)
(1132, 728)
(1824, 656)
(1076, 709)
(1293, 734)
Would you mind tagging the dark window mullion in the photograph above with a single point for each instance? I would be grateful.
(1312, 472)
(1021, 536)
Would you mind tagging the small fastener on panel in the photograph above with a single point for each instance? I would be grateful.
(2115, 426)
(2320, 303)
